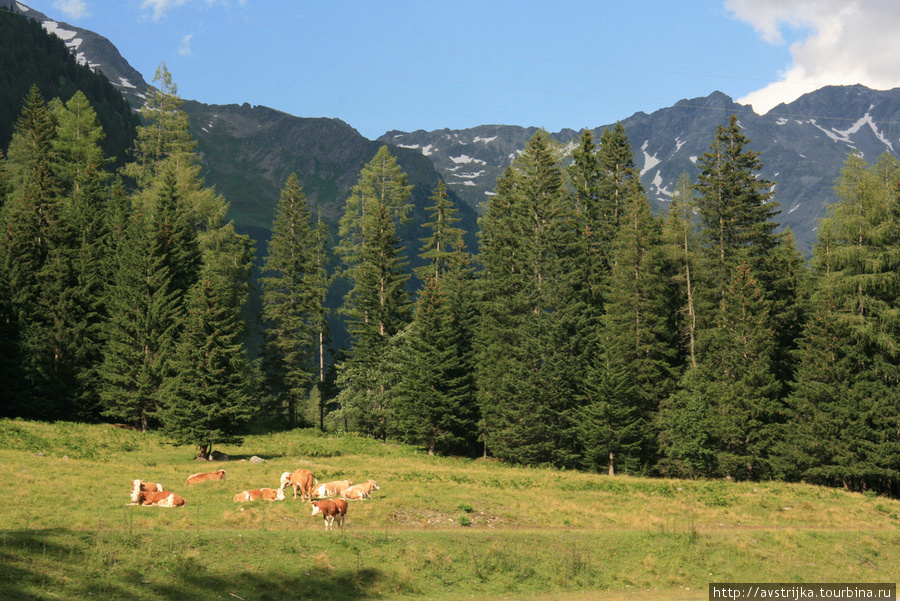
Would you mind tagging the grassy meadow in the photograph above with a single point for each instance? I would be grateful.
(439, 528)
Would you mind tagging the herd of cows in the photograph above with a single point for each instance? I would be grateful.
(302, 481)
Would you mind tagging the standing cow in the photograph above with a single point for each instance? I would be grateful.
(301, 480)
(332, 510)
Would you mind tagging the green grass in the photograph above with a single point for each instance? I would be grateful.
(439, 528)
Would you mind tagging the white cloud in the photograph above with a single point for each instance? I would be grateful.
(845, 43)
(75, 9)
(161, 6)
(185, 48)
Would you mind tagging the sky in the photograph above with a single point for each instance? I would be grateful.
(433, 64)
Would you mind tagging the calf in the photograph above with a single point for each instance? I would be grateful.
(332, 510)
(360, 491)
(197, 478)
(301, 480)
(159, 499)
(331, 489)
(266, 494)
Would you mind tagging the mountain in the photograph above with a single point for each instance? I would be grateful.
(92, 50)
(803, 146)
(248, 151)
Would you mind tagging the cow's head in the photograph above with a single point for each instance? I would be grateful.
(316, 510)
(279, 496)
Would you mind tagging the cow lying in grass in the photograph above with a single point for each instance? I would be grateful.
(332, 489)
(204, 477)
(157, 498)
(266, 494)
(332, 510)
(360, 491)
(143, 485)
(301, 480)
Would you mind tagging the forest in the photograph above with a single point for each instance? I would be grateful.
(584, 332)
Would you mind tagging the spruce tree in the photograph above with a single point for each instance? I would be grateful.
(294, 283)
(636, 327)
(31, 230)
(145, 315)
(377, 304)
(527, 372)
(843, 414)
(205, 398)
(435, 403)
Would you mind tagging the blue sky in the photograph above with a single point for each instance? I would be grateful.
(410, 65)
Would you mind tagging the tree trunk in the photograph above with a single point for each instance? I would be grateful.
(612, 469)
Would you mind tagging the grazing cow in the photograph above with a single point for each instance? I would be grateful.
(332, 510)
(139, 485)
(266, 494)
(158, 499)
(301, 480)
(331, 489)
(197, 478)
(360, 491)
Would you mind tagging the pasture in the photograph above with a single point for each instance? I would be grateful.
(438, 528)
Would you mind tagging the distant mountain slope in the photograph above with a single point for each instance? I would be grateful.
(803, 146)
(29, 56)
(91, 49)
(250, 151)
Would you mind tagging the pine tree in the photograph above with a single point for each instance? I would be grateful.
(293, 295)
(205, 399)
(377, 304)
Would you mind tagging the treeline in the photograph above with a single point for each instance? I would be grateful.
(586, 333)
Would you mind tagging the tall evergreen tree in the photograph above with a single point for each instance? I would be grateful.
(377, 305)
(527, 374)
(638, 343)
(844, 418)
(435, 403)
(294, 283)
(734, 387)
(205, 399)
(145, 315)
(31, 229)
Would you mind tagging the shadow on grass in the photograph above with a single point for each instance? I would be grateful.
(61, 564)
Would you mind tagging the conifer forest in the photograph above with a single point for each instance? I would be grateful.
(583, 332)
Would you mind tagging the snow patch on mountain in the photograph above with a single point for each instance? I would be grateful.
(466, 159)
(649, 161)
(485, 140)
(72, 42)
(844, 135)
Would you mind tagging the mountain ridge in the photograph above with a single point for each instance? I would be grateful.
(803, 144)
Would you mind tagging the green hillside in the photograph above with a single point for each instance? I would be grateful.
(438, 528)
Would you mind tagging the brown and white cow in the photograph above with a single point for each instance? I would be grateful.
(332, 489)
(266, 494)
(138, 485)
(332, 510)
(360, 491)
(301, 480)
(204, 477)
(158, 499)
